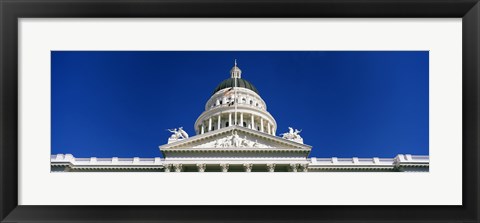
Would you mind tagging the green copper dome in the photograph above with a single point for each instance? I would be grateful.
(230, 82)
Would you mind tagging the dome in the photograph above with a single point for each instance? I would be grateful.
(230, 82)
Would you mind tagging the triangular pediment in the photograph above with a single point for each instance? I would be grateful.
(235, 137)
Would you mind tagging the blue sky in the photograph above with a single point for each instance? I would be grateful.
(348, 104)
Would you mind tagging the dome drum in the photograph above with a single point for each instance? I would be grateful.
(223, 110)
(245, 97)
(214, 120)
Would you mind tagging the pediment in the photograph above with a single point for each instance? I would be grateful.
(235, 137)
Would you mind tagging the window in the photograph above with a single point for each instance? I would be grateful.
(244, 124)
(226, 124)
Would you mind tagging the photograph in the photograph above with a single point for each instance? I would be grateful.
(239, 111)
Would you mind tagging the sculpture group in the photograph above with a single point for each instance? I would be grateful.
(292, 134)
(235, 141)
(178, 134)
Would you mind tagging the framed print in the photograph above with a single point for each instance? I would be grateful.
(204, 111)
(240, 135)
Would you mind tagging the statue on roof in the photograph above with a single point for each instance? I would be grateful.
(289, 134)
(293, 135)
(183, 133)
(175, 134)
(296, 134)
(178, 134)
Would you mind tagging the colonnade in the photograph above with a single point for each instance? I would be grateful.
(246, 167)
(253, 122)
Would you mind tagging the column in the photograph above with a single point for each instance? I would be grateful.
(177, 167)
(268, 127)
(252, 122)
(201, 167)
(229, 119)
(210, 124)
(167, 167)
(203, 128)
(261, 124)
(293, 167)
(219, 122)
(304, 167)
(271, 167)
(241, 119)
(224, 167)
(248, 167)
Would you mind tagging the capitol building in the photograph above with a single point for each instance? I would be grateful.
(236, 133)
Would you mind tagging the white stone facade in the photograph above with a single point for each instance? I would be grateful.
(400, 163)
(236, 133)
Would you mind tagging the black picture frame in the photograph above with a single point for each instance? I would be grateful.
(12, 10)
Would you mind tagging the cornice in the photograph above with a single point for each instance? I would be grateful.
(270, 150)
